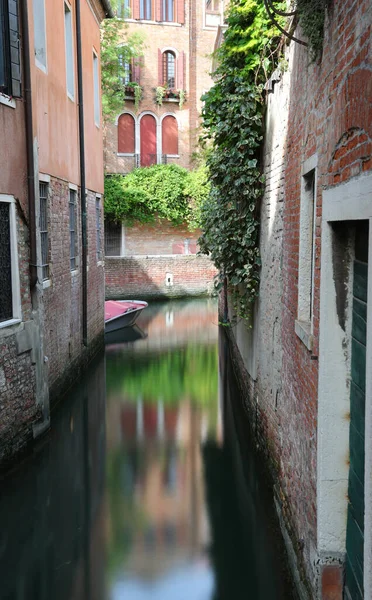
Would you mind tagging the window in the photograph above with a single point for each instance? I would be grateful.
(69, 53)
(10, 73)
(43, 225)
(169, 69)
(96, 90)
(98, 228)
(112, 238)
(9, 275)
(126, 134)
(212, 6)
(145, 10)
(212, 13)
(40, 33)
(169, 130)
(123, 10)
(307, 253)
(125, 69)
(73, 232)
(168, 10)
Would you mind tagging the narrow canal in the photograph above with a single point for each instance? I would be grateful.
(145, 487)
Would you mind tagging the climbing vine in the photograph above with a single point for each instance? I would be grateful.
(154, 193)
(311, 15)
(233, 127)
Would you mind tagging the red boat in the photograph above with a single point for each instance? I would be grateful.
(122, 313)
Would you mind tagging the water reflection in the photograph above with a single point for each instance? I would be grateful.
(146, 487)
(162, 401)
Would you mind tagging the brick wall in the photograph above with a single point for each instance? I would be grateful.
(63, 297)
(324, 112)
(146, 277)
(159, 239)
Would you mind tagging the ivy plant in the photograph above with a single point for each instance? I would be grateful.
(311, 14)
(233, 128)
(150, 194)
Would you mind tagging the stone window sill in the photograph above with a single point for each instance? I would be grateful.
(303, 330)
(47, 284)
(7, 101)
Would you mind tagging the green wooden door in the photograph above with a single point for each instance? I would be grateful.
(355, 519)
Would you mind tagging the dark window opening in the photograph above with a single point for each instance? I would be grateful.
(43, 224)
(169, 69)
(6, 296)
(125, 67)
(98, 229)
(73, 237)
(112, 238)
(5, 64)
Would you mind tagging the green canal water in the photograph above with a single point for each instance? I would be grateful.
(146, 486)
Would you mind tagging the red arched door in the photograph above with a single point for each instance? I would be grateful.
(148, 141)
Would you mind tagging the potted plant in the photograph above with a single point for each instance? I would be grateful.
(133, 90)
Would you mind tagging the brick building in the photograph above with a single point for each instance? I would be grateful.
(51, 280)
(179, 37)
(303, 363)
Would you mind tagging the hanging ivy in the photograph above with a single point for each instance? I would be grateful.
(311, 15)
(233, 127)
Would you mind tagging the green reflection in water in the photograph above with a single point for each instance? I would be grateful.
(189, 372)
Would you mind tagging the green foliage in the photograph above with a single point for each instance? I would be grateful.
(233, 126)
(159, 192)
(311, 15)
(117, 48)
(197, 189)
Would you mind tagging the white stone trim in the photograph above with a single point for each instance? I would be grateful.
(16, 292)
(348, 202)
(44, 178)
(73, 186)
(170, 49)
(7, 100)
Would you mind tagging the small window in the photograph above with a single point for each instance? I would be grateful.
(96, 90)
(169, 69)
(123, 11)
(98, 229)
(213, 13)
(112, 238)
(126, 134)
(146, 10)
(40, 33)
(168, 10)
(73, 231)
(43, 225)
(69, 48)
(9, 274)
(212, 6)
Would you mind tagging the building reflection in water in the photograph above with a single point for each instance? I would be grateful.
(162, 402)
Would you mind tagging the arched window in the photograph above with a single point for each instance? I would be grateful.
(126, 134)
(148, 141)
(169, 129)
(169, 69)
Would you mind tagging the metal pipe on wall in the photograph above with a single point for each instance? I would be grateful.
(83, 199)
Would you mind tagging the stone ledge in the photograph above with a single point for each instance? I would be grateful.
(303, 331)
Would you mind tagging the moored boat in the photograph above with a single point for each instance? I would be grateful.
(122, 313)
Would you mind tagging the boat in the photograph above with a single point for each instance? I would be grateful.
(122, 313)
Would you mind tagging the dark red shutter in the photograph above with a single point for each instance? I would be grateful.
(136, 70)
(169, 136)
(158, 10)
(181, 71)
(180, 11)
(136, 9)
(160, 67)
(126, 134)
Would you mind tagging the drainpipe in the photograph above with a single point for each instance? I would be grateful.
(83, 199)
(29, 144)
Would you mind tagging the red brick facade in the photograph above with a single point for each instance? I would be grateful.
(325, 120)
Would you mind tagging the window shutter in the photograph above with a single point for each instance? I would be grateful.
(160, 67)
(126, 134)
(136, 9)
(169, 135)
(158, 10)
(180, 11)
(15, 62)
(136, 70)
(181, 71)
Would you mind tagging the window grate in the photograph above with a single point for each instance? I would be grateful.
(98, 229)
(6, 295)
(43, 225)
(112, 238)
(73, 237)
